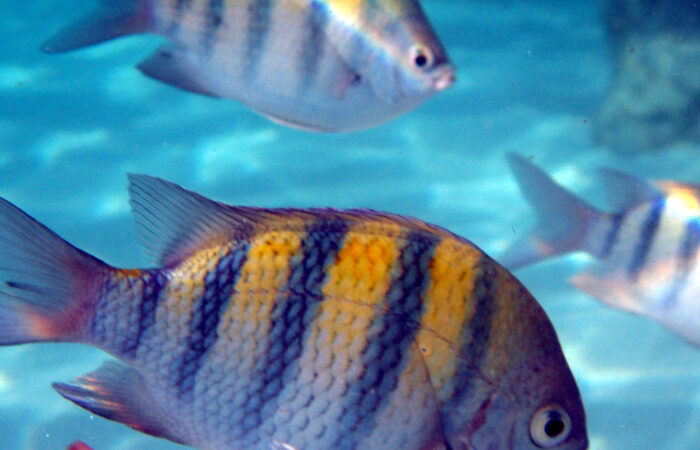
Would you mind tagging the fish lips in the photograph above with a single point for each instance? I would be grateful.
(443, 77)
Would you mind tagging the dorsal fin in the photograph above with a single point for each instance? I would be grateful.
(172, 222)
(625, 191)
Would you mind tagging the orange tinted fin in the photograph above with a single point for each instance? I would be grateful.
(117, 392)
(114, 18)
(47, 286)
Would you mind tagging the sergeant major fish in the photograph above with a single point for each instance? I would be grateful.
(324, 65)
(295, 329)
(647, 248)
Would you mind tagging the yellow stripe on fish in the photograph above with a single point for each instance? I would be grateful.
(263, 278)
(449, 306)
(309, 328)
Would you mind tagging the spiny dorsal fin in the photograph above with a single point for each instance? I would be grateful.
(172, 222)
(625, 191)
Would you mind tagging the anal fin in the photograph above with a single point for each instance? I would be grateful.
(117, 392)
(169, 65)
(610, 289)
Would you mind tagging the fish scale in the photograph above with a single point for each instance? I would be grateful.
(296, 328)
(206, 315)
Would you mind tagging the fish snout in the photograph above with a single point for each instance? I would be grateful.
(444, 77)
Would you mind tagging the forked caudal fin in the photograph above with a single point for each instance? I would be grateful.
(563, 219)
(47, 286)
(112, 19)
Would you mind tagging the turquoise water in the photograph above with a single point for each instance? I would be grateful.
(531, 76)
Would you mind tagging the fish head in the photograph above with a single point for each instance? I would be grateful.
(514, 388)
(409, 63)
(543, 412)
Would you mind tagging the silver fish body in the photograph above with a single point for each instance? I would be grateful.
(647, 248)
(295, 329)
(333, 65)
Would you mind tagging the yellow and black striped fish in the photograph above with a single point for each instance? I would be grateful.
(295, 328)
(647, 247)
(324, 65)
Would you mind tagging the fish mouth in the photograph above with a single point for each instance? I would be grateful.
(444, 78)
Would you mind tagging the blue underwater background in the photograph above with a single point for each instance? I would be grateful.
(531, 78)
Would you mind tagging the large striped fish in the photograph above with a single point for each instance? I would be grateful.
(647, 248)
(295, 329)
(324, 65)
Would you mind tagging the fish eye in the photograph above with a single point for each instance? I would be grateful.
(550, 426)
(421, 57)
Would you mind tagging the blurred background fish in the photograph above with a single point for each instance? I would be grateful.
(647, 249)
(333, 65)
(295, 328)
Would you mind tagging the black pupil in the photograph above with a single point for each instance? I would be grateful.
(554, 427)
(421, 60)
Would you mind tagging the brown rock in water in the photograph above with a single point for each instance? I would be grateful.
(654, 99)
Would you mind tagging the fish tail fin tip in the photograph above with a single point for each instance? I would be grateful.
(118, 392)
(46, 284)
(112, 19)
(563, 218)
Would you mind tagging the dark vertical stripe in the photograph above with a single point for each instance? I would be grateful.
(689, 246)
(214, 20)
(181, 6)
(475, 335)
(259, 17)
(292, 317)
(646, 237)
(153, 283)
(206, 314)
(314, 40)
(685, 262)
(387, 351)
(612, 234)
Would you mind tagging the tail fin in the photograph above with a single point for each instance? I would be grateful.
(114, 18)
(47, 286)
(562, 218)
